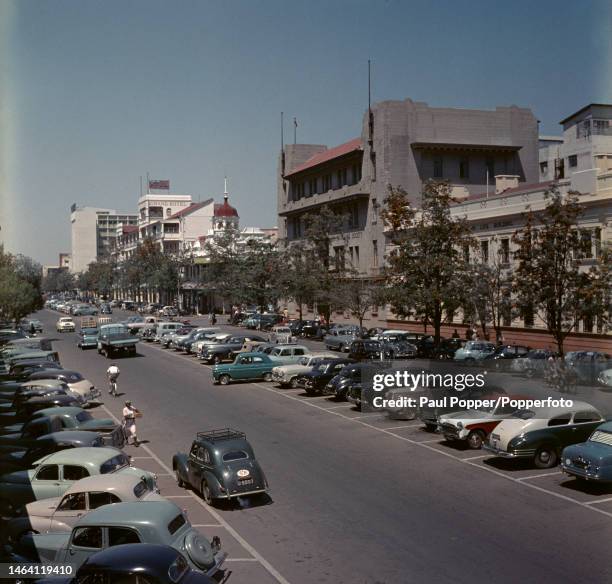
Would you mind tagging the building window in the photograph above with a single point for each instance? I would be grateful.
(543, 167)
(464, 169)
(490, 166)
(339, 259)
(353, 219)
(327, 183)
(484, 251)
(357, 255)
(374, 211)
(438, 170)
(375, 253)
(313, 186)
(505, 251)
(597, 241)
(602, 127)
(572, 161)
(586, 244)
(583, 129)
(559, 168)
(528, 317)
(356, 173)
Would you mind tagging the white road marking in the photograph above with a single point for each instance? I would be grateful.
(599, 501)
(177, 496)
(241, 560)
(419, 425)
(477, 457)
(206, 525)
(469, 462)
(546, 474)
(243, 542)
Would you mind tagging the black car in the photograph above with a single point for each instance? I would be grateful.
(500, 359)
(228, 349)
(447, 348)
(349, 376)
(146, 563)
(318, 377)
(23, 369)
(313, 329)
(28, 408)
(399, 349)
(21, 454)
(220, 465)
(365, 349)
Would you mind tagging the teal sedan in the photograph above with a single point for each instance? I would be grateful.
(88, 338)
(245, 366)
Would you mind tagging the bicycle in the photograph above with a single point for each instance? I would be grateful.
(112, 384)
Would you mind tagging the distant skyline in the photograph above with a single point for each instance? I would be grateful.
(94, 95)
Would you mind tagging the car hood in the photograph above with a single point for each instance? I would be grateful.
(102, 423)
(81, 387)
(467, 417)
(590, 451)
(511, 428)
(20, 477)
(42, 508)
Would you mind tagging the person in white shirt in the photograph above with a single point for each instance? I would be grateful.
(113, 374)
(129, 422)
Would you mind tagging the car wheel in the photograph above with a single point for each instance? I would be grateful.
(179, 480)
(224, 379)
(430, 427)
(546, 457)
(294, 383)
(206, 494)
(475, 439)
(267, 377)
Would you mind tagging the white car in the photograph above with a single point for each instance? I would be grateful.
(287, 375)
(474, 351)
(65, 324)
(60, 514)
(605, 378)
(217, 339)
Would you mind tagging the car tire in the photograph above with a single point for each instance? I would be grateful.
(546, 457)
(294, 384)
(179, 480)
(475, 439)
(224, 379)
(430, 427)
(206, 494)
(267, 376)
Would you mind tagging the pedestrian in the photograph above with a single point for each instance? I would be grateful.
(213, 318)
(455, 334)
(130, 413)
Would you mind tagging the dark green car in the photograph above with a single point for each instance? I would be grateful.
(245, 366)
(88, 338)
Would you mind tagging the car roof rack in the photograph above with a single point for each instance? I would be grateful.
(219, 435)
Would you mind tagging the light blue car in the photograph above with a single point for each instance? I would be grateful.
(474, 351)
(591, 460)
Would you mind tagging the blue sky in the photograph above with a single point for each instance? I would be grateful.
(96, 93)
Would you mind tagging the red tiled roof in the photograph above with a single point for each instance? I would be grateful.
(225, 210)
(329, 154)
(520, 189)
(189, 209)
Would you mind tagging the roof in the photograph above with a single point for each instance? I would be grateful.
(129, 229)
(143, 558)
(463, 146)
(189, 209)
(225, 210)
(555, 410)
(542, 186)
(71, 436)
(63, 411)
(91, 455)
(329, 154)
(586, 107)
(134, 512)
(121, 482)
(606, 427)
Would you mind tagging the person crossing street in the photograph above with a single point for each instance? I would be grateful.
(130, 413)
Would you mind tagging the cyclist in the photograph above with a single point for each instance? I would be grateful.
(113, 374)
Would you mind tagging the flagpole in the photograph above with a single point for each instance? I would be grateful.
(148, 183)
(294, 131)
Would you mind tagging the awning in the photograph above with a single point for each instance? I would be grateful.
(463, 146)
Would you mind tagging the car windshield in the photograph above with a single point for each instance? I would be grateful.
(115, 463)
(235, 455)
(71, 377)
(523, 414)
(84, 417)
(602, 436)
(90, 331)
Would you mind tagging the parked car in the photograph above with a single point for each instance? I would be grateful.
(65, 325)
(32, 325)
(286, 354)
(165, 328)
(147, 563)
(160, 522)
(605, 379)
(168, 311)
(351, 374)
(533, 364)
(540, 434)
(340, 339)
(287, 375)
(315, 380)
(398, 349)
(474, 351)
(221, 465)
(215, 353)
(52, 475)
(282, 335)
(447, 348)
(503, 355)
(245, 366)
(365, 349)
(13, 421)
(88, 338)
(474, 426)
(106, 309)
(60, 514)
(587, 365)
(200, 334)
(21, 370)
(85, 310)
(116, 339)
(591, 460)
(216, 339)
(76, 382)
(169, 341)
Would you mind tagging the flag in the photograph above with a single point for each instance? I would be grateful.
(159, 184)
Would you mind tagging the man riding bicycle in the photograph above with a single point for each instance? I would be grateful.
(113, 374)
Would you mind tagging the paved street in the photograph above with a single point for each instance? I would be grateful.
(356, 497)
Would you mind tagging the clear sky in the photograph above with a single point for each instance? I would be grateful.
(96, 93)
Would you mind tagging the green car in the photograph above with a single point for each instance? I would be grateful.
(88, 338)
(245, 366)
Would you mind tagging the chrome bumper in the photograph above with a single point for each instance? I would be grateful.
(506, 454)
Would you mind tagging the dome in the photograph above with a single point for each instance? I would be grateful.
(225, 210)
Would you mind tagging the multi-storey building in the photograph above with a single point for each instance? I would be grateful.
(402, 143)
(92, 230)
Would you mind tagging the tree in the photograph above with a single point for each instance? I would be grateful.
(358, 295)
(58, 281)
(298, 280)
(426, 268)
(549, 279)
(19, 286)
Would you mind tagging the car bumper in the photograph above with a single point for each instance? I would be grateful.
(508, 454)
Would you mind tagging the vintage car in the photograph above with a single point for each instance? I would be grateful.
(221, 465)
(66, 418)
(605, 379)
(474, 351)
(65, 324)
(398, 349)
(287, 375)
(23, 454)
(216, 339)
(195, 335)
(32, 325)
(591, 460)
(13, 421)
(365, 349)
(13, 403)
(227, 350)
(473, 426)
(503, 356)
(88, 338)
(533, 364)
(245, 366)
(540, 434)
(52, 475)
(135, 563)
(351, 374)
(282, 335)
(315, 380)
(340, 339)
(160, 522)
(76, 382)
(58, 514)
(170, 340)
(287, 354)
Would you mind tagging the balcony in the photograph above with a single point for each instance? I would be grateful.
(333, 196)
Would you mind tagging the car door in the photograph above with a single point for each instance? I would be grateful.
(46, 482)
(559, 428)
(70, 508)
(84, 541)
(242, 368)
(259, 367)
(194, 466)
(583, 424)
(71, 473)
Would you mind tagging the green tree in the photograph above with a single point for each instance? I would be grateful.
(58, 281)
(19, 286)
(549, 279)
(426, 268)
(358, 296)
(298, 279)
